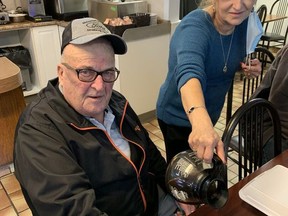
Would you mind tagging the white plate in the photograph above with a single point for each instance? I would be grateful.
(268, 192)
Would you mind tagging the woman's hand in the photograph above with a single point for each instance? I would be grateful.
(251, 69)
(204, 139)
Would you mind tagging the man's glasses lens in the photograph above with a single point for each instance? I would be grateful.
(89, 75)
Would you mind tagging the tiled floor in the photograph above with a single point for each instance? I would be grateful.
(12, 202)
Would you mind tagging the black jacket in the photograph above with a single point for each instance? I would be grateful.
(68, 166)
(274, 87)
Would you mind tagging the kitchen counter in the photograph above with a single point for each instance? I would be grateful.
(30, 24)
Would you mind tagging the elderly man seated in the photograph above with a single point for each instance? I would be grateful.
(274, 87)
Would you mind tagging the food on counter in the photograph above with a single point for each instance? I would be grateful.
(118, 21)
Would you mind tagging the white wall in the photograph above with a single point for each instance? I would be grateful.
(165, 9)
(268, 3)
(11, 4)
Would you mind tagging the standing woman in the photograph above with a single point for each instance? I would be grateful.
(207, 48)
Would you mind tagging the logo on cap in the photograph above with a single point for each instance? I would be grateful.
(94, 25)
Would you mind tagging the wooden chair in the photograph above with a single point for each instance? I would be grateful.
(247, 124)
(250, 84)
(279, 7)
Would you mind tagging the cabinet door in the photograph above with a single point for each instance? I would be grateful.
(47, 49)
(44, 47)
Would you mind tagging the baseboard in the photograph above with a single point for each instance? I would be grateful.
(148, 116)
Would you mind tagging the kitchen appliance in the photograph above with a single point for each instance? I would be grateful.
(17, 17)
(35, 10)
(101, 9)
(4, 18)
(66, 9)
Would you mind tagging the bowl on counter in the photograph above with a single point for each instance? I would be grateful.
(17, 17)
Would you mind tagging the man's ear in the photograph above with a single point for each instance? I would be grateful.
(60, 70)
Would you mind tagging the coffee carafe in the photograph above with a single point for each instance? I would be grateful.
(191, 180)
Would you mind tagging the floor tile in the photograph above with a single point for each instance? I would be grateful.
(19, 201)
(151, 128)
(154, 122)
(8, 212)
(10, 183)
(27, 212)
(160, 144)
(153, 137)
(4, 199)
(159, 134)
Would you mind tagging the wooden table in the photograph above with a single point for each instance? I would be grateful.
(11, 105)
(235, 205)
(272, 18)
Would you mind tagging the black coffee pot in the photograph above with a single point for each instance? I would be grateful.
(191, 180)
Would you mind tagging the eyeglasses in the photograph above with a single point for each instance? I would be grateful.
(89, 75)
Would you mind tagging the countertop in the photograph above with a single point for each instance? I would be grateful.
(29, 24)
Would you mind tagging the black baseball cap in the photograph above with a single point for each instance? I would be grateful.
(84, 30)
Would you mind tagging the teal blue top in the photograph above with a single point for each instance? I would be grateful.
(196, 52)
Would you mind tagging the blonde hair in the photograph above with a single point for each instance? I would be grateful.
(205, 3)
